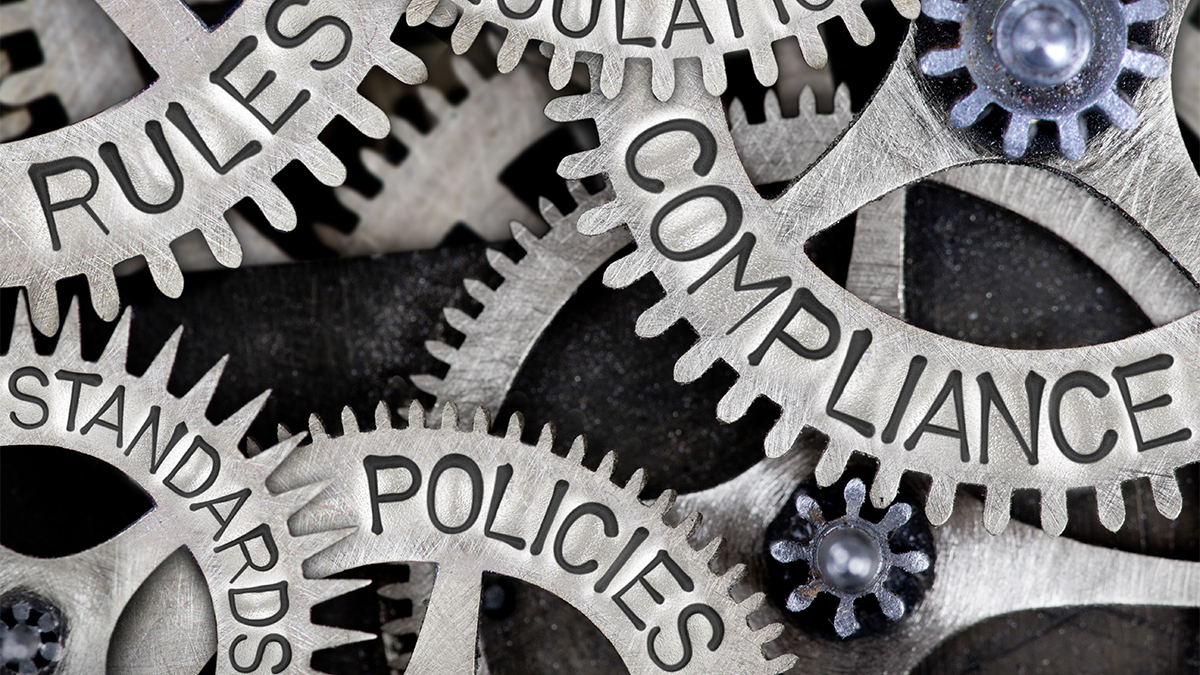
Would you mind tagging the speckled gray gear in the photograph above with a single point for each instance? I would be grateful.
(232, 106)
(733, 266)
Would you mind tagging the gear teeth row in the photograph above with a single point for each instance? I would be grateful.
(533, 291)
(320, 513)
(779, 149)
(483, 134)
(612, 64)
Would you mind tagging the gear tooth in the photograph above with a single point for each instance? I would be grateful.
(409, 625)
(22, 333)
(944, 10)
(106, 298)
(282, 433)
(896, 516)
(465, 32)
(503, 265)
(376, 163)
(783, 435)
(68, 338)
(809, 510)
(480, 423)
(383, 416)
(253, 449)
(688, 527)
(663, 503)
(579, 165)
(399, 63)
(766, 68)
(564, 109)
(449, 416)
(118, 343)
(16, 19)
(913, 562)
(1071, 137)
(428, 384)
(662, 78)
(323, 164)
(844, 621)
(1110, 501)
(349, 421)
(43, 306)
(734, 404)
(997, 505)
(939, 504)
(737, 115)
(160, 367)
(807, 102)
(521, 234)
(516, 427)
(1167, 498)
(658, 318)
(25, 86)
(636, 483)
(968, 109)
(601, 219)
(1017, 135)
(275, 207)
(316, 429)
(859, 26)
(201, 393)
(549, 211)
(366, 117)
(234, 428)
(909, 9)
(482, 293)
(841, 104)
(434, 101)
(397, 591)
(1054, 512)
(165, 272)
(695, 362)
(612, 76)
(855, 494)
(733, 576)
(459, 320)
(886, 484)
(623, 271)
(768, 632)
(221, 242)
(941, 62)
(711, 549)
(545, 439)
(752, 604)
(1145, 10)
(510, 52)
(441, 351)
(578, 448)
(1118, 111)
(418, 11)
(713, 71)
(416, 415)
(560, 67)
(892, 606)
(607, 465)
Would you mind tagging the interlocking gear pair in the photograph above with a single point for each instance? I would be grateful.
(635, 169)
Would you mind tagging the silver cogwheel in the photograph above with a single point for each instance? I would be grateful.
(207, 497)
(1048, 420)
(661, 32)
(232, 106)
(978, 575)
(470, 143)
(472, 502)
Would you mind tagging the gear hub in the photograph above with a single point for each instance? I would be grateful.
(31, 632)
(848, 557)
(1045, 60)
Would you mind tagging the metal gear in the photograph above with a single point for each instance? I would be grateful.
(978, 575)
(208, 498)
(907, 407)
(656, 581)
(77, 41)
(848, 557)
(470, 143)
(1045, 60)
(663, 33)
(231, 108)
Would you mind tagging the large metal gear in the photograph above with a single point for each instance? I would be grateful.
(663, 33)
(635, 577)
(207, 497)
(232, 106)
(875, 385)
